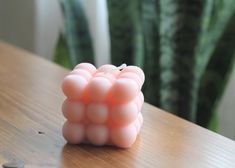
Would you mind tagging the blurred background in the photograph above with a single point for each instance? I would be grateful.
(186, 48)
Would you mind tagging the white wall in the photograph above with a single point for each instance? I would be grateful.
(31, 24)
(48, 20)
(96, 12)
(226, 110)
(17, 23)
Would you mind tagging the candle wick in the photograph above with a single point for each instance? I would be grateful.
(117, 68)
(122, 67)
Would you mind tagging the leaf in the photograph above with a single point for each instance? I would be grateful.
(77, 34)
(61, 56)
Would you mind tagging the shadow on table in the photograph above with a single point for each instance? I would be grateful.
(86, 155)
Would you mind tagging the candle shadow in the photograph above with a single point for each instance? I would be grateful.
(87, 155)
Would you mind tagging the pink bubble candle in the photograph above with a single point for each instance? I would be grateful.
(103, 105)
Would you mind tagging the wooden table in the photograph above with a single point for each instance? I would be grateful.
(31, 121)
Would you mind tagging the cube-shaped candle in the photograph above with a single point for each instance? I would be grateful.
(103, 106)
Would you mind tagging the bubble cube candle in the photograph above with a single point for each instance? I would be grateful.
(103, 106)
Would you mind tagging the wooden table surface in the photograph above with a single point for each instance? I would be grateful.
(31, 121)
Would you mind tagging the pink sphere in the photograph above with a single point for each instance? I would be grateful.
(73, 111)
(97, 134)
(83, 73)
(141, 96)
(131, 75)
(139, 100)
(86, 66)
(124, 90)
(73, 133)
(124, 137)
(98, 89)
(135, 70)
(140, 118)
(73, 86)
(124, 114)
(108, 76)
(97, 113)
(111, 69)
(138, 122)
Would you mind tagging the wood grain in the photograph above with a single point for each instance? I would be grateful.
(31, 121)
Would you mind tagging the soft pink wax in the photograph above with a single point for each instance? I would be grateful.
(103, 105)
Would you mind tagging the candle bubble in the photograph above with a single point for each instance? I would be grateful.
(73, 133)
